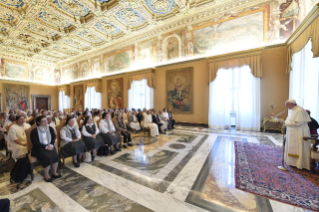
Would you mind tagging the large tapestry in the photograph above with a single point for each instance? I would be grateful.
(118, 61)
(233, 35)
(179, 89)
(14, 69)
(115, 93)
(78, 97)
(16, 96)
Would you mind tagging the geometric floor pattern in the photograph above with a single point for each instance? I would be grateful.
(188, 169)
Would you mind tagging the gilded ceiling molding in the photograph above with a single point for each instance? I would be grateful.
(313, 14)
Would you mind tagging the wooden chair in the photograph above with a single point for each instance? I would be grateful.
(314, 155)
(33, 160)
(58, 137)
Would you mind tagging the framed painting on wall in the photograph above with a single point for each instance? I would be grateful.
(179, 90)
(78, 97)
(14, 69)
(16, 96)
(115, 93)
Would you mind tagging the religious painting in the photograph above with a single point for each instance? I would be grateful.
(42, 74)
(246, 30)
(78, 97)
(14, 69)
(16, 96)
(289, 18)
(118, 61)
(84, 70)
(179, 90)
(96, 68)
(70, 73)
(115, 93)
(172, 47)
(57, 76)
(146, 53)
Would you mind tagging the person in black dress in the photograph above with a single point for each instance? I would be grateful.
(91, 136)
(156, 120)
(43, 138)
(71, 143)
(108, 133)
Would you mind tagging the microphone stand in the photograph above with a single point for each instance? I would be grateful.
(282, 167)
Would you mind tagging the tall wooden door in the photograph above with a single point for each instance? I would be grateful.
(41, 103)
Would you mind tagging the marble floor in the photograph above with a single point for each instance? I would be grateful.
(188, 169)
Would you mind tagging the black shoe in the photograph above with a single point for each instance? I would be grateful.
(130, 144)
(77, 164)
(93, 157)
(58, 176)
(118, 149)
(124, 146)
(112, 152)
(48, 180)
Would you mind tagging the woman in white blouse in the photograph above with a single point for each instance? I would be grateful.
(91, 136)
(18, 138)
(148, 124)
(108, 133)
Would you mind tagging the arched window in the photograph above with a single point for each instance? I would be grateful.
(93, 99)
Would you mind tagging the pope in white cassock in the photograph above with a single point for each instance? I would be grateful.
(297, 150)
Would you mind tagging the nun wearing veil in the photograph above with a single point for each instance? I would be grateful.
(71, 143)
(91, 136)
(108, 133)
(43, 139)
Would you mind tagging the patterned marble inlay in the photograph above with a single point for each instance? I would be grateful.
(144, 145)
(177, 146)
(93, 196)
(185, 138)
(149, 163)
(35, 200)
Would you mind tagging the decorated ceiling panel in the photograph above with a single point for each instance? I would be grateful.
(126, 33)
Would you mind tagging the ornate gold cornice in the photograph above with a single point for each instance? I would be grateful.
(143, 71)
(313, 14)
(235, 55)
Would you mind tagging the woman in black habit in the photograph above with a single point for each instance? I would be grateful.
(43, 138)
(108, 133)
(91, 136)
(71, 143)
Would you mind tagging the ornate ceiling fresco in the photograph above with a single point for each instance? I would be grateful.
(60, 33)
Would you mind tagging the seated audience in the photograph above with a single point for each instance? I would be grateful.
(35, 115)
(165, 114)
(171, 118)
(156, 120)
(133, 122)
(9, 121)
(71, 143)
(97, 116)
(12, 112)
(125, 115)
(84, 115)
(43, 139)
(313, 125)
(163, 120)
(91, 136)
(79, 112)
(121, 128)
(148, 124)
(61, 115)
(110, 137)
(18, 139)
(56, 118)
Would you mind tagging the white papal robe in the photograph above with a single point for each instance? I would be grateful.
(297, 150)
(153, 127)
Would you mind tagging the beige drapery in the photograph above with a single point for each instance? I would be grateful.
(65, 88)
(311, 32)
(96, 83)
(237, 59)
(148, 75)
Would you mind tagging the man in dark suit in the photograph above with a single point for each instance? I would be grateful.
(171, 117)
(139, 116)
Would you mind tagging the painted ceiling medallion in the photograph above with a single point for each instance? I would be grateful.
(90, 36)
(107, 28)
(130, 17)
(42, 30)
(54, 20)
(73, 7)
(13, 3)
(160, 6)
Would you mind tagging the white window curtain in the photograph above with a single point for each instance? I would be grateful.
(235, 96)
(140, 95)
(92, 99)
(64, 101)
(304, 80)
